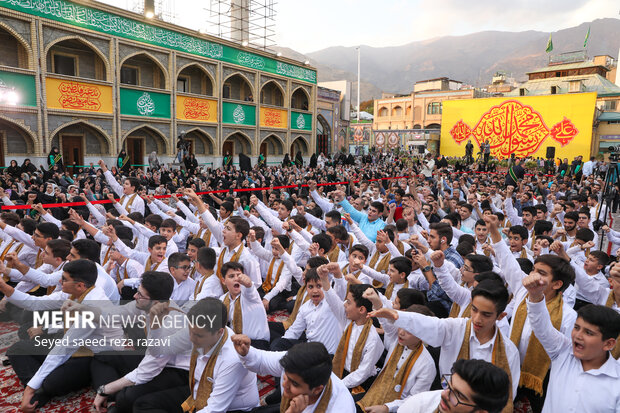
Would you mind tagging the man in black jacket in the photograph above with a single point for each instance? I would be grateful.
(515, 174)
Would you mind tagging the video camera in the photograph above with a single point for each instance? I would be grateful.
(614, 153)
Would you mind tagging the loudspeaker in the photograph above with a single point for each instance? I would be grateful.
(550, 152)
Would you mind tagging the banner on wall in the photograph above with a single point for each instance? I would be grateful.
(70, 95)
(238, 114)
(141, 103)
(196, 109)
(525, 126)
(19, 89)
(273, 118)
(301, 121)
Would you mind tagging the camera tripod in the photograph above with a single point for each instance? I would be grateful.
(607, 197)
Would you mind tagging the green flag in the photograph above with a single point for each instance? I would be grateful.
(549, 45)
(585, 42)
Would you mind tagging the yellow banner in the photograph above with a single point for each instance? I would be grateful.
(190, 108)
(66, 94)
(525, 126)
(273, 118)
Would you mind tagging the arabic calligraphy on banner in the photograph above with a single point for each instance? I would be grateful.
(140, 103)
(273, 118)
(525, 126)
(65, 94)
(191, 108)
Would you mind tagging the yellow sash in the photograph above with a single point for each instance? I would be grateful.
(220, 260)
(199, 285)
(128, 206)
(380, 266)
(237, 320)
(299, 300)
(321, 406)
(267, 284)
(343, 349)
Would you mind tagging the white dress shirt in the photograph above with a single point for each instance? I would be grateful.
(253, 313)
(319, 323)
(571, 389)
(183, 291)
(251, 268)
(425, 402)
(268, 363)
(138, 203)
(448, 334)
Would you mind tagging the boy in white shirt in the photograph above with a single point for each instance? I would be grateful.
(583, 376)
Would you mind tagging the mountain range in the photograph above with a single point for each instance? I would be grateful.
(472, 58)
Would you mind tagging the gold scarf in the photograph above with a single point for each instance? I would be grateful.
(6, 278)
(106, 257)
(149, 264)
(536, 362)
(343, 348)
(299, 300)
(125, 274)
(237, 320)
(39, 261)
(199, 285)
(206, 380)
(615, 352)
(128, 206)
(220, 260)
(586, 251)
(381, 266)
(6, 250)
(456, 309)
(321, 407)
(389, 290)
(523, 253)
(205, 235)
(267, 284)
(389, 384)
(332, 256)
(82, 351)
(498, 358)
(345, 271)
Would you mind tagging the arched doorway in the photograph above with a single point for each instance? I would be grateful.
(272, 94)
(200, 143)
(238, 88)
(14, 53)
(237, 143)
(74, 57)
(323, 136)
(17, 141)
(299, 144)
(143, 140)
(80, 143)
(300, 99)
(272, 146)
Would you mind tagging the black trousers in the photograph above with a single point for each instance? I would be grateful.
(26, 356)
(165, 401)
(283, 344)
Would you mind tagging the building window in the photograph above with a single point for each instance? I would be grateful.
(65, 64)
(574, 86)
(434, 108)
(129, 75)
(183, 85)
(522, 91)
(554, 90)
(226, 91)
(609, 105)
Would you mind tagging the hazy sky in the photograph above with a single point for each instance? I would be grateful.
(311, 25)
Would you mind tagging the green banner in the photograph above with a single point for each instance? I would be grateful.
(301, 121)
(141, 103)
(113, 24)
(17, 89)
(238, 114)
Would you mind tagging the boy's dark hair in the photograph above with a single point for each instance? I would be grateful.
(324, 241)
(402, 264)
(288, 204)
(465, 248)
(82, 270)
(133, 182)
(378, 206)
(481, 223)
(259, 232)
(136, 216)
(572, 215)
(529, 209)
(88, 249)
(158, 285)
(10, 218)
(493, 291)
(479, 263)
(443, 230)
(339, 232)
(60, 248)
(310, 361)
(300, 220)
(71, 226)
(490, 384)
(519, 230)
(467, 238)
(560, 269)
(410, 296)
(123, 232)
(197, 242)
(541, 207)
(206, 310)
(466, 205)
(241, 226)
(601, 257)
(156, 240)
(176, 258)
(605, 318)
(206, 257)
(48, 230)
(284, 241)
(169, 223)
(66, 235)
(585, 211)
(499, 216)
(401, 224)
(361, 249)
(454, 218)
(29, 225)
(334, 215)
(541, 227)
(526, 265)
(228, 206)
(357, 291)
(420, 309)
(488, 275)
(584, 234)
(316, 262)
(231, 265)
(311, 275)
(154, 220)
